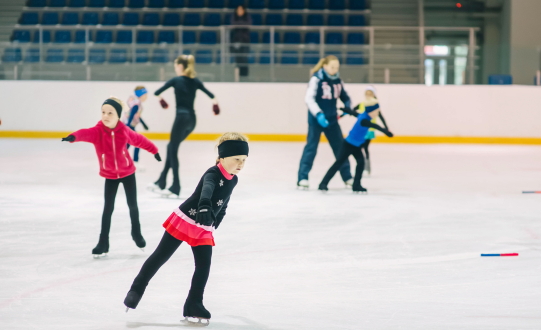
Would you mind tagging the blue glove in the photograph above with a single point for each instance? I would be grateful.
(322, 120)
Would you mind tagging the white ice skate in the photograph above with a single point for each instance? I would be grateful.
(367, 167)
(101, 255)
(303, 184)
(166, 193)
(153, 187)
(195, 321)
(349, 183)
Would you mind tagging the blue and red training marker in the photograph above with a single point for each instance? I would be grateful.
(499, 255)
(531, 192)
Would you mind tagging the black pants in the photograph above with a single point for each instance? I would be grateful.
(111, 188)
(168, 245)
(345, 151)
(182, 127)
(364, 146)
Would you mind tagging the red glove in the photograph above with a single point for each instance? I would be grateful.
(164, 104)
(216, 109)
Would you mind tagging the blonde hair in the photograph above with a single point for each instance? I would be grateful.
(188, 62)
(122, 103)
(230, 136)
(139, 87)
(323, 62)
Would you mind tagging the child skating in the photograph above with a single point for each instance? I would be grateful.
(132, 117)
(110, 138)
(193, 222)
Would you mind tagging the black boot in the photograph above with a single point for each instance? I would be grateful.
(195, 308)
(102, 248)
(358, 188)
(132, 299)
(323, 187)
(138, 239)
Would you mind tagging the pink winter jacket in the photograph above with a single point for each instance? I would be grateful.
(111, 148)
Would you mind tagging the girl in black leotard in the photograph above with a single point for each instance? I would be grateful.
(185, 85)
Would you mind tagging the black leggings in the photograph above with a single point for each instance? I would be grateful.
(182, 127)
(111, 188)
(364, 146)
(345, 151)
(202, 255)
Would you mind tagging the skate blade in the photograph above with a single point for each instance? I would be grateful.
(98, 256)
(142, 249)
(361, 192)
(302, 188)
(195, 322)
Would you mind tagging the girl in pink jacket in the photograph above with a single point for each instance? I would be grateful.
(110, 138)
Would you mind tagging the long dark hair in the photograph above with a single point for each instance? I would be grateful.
(245, 16)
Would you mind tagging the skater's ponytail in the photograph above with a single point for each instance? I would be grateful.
(230, 136)
(323, 62)
(188, 63)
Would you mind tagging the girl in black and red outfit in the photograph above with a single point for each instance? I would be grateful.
(193, 222)
(110, 138)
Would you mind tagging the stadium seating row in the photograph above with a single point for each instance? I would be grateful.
(253, 4)
(189, 19)
(188, 37)
(202, 56)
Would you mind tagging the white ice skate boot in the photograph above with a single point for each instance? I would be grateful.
(166, 193)
(154, 187)
(303, 184)
(349, 183)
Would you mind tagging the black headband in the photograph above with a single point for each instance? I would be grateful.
(115, 105)
(232, 148)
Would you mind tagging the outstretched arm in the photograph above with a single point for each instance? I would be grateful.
(83, 135)
(164, 87)
(132, 114)
(350, 112)
(206, 91)
(139, 141)
(344, 97)
(368, 123)
(383, 120)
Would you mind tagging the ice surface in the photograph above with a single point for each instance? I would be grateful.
(405, 256)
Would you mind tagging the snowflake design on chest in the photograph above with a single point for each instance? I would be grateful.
(220, 202)
(221, 183)
(192, 212)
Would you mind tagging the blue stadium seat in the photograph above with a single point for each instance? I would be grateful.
(96, 56)
(175, 4)
(77, 4)
(212, 20)
(192, 19)
(290, 57)
(266, 37)
(256, 4)
(334, 38)
(354, 58)
(166, 36)
(208, 38)
(145, 37)
(257, 19)
(336, 20)
(277, 4)
(124, 37)
(188, 37)
(203, 56)
(104, 37)
(273, 19)
(216, 4)
(160, 56)
(131, 19)
(310, 57)
(235, 3)
(80, 36)
(316, 4)
(292, 38)
(356, 20)
(156, 3)
(254, 37)
(90, 19)
(75, 56)
(54, 55)
(49, 19)
(227, 19)
(62, 36)
(196, 3)
(57, 3)
(29, 19)
(294, 20)
(46, 36)
(219, 57)
(32, 55)
(37, 3)
(70, 18)
(141, 55)
(296, 4)
(118, 56)
(264, 57)
(136, 3)
(21, 36)
(12, 55)
(151, 19)
(357, 4)
(355, 38)
(315, 20)
(171, 20)
(312, 38)
(337, 4)
(96, 3)
(110, 19)
(117, 3)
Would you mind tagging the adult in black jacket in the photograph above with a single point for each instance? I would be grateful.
(240, 39)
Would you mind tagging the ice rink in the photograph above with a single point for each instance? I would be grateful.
(404, 256)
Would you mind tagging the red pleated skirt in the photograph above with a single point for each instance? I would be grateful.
(183, 228)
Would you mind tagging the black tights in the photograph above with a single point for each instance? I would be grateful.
(364, 146)
(111, 188)
(182, 127)
(202, 255)
(346, 150)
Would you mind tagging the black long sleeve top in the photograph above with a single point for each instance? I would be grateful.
(185, 89)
